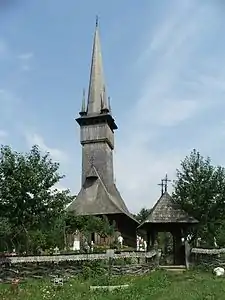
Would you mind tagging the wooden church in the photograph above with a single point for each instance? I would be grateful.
(99, 195)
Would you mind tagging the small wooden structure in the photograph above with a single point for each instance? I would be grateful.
(166, 216)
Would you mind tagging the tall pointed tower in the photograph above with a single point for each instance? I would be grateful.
(98, 194)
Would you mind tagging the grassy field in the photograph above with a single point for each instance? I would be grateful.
(158, 286)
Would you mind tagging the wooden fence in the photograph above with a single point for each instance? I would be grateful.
(80, 257)
(66, 266)
(208, 258)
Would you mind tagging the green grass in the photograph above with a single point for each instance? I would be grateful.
(158, 286)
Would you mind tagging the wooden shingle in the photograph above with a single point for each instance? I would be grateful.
(166, 211)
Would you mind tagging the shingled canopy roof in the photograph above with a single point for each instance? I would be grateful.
(166, 211)
(95, 198)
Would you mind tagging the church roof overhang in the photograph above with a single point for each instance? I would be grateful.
(95, 199)
(95, 118)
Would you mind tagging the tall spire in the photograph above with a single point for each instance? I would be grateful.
(83, 106)
(109, 104)
(96, 93)
(104, 104)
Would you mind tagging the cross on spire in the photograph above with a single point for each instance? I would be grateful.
(166, 180)
(162, 184)
(96, 21)
(97, 95)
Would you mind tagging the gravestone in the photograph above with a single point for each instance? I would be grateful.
(58, 281)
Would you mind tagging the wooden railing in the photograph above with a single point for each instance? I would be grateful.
(207, 251)
(79, 257)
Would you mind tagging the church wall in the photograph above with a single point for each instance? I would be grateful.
(126, 227)
(103, 241)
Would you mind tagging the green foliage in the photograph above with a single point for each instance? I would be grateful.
(37, 240)
(29, 204)
(220, 233)
(200, 190)
(5, 228)
(143, 214)
(32, 211)
(93, 270)
(90, 224)
(5, 232)
(158, 285)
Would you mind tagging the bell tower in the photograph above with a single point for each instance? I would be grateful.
(96, 122)
(99, 195)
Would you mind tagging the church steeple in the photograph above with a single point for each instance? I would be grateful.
(99, 194)
(97, 91)
(98, 105)
(96, 122)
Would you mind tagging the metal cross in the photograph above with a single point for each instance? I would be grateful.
(162, 186)
(166, 180)
(96, 21)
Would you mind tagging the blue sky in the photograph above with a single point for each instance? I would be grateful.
(164, 68)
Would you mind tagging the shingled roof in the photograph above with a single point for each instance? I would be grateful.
(166, 211)
(95, 198)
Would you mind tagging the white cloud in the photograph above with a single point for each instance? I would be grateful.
(58, 187)
(25, 59)
(7, 97)
(3, 134)
(10, 104)
(171, 30)
(26, 56)
(168, 99)
(168, 112)
(56, 154)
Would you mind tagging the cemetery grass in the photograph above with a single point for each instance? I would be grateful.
(158, 285)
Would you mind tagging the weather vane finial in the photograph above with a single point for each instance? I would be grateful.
(162, 186)
(166, 180)
(96, 21)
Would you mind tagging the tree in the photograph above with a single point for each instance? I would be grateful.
(143, 214)
(28, 199)
(5, 233)
(200, 190)
(90, 224)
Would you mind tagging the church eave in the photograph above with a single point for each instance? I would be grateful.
(99, 213)
(93, 118)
